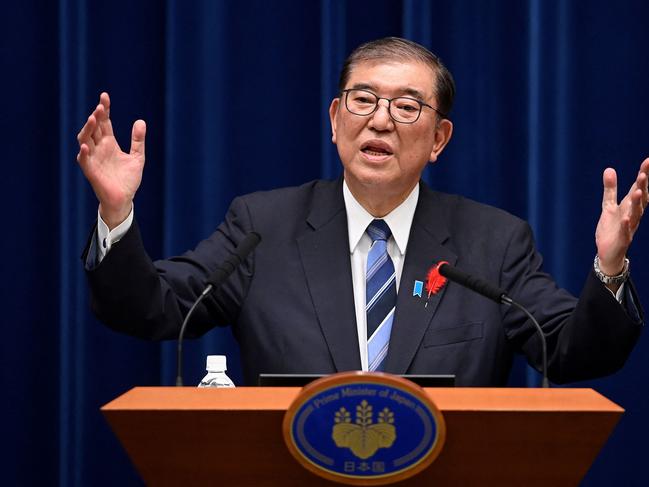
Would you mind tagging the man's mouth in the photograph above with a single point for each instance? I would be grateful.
(376, 148)
(376, 151)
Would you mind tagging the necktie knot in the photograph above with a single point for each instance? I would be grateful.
(378, 230)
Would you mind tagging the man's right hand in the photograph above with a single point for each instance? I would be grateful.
(113, 174)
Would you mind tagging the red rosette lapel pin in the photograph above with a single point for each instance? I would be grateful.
(434, 280)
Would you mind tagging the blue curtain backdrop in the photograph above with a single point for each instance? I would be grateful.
(235, 97)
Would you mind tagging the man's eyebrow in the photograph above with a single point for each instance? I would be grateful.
(414, 93)
(363, 86)
(404, 91)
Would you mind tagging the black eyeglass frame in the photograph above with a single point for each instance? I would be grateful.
(389, 100)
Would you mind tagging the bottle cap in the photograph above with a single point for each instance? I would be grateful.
(216, 363)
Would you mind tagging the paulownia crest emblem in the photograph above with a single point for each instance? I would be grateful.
(364, 437)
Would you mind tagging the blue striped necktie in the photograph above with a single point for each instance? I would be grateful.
(380, 295)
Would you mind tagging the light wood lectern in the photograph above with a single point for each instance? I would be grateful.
(233, 437)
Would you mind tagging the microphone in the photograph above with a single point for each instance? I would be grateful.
(216, 279)
(476, 284)
(222, 272)
(498, 295)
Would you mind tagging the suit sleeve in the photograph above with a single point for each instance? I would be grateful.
(134, 295)
(586, 338)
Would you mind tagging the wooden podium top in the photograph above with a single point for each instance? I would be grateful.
(494, 437)
(279, 399)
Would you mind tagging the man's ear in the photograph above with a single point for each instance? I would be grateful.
(443, 132)
(333, 110)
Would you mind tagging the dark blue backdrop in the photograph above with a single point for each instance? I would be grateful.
(235, 96)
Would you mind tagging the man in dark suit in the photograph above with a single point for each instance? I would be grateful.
(302, 302)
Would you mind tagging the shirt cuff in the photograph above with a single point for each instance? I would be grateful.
(620, 293)
(106, 238)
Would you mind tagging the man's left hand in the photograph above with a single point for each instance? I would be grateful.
(618, 222)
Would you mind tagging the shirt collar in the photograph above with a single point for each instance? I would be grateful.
(399, 220)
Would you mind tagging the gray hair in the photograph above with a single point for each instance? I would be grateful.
(396, 48)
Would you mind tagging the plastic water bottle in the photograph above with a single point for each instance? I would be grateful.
(216, 377)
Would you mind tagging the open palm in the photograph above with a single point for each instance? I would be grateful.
(115, 175)
(618, 222)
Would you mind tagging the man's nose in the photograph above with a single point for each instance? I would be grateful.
(381, 119)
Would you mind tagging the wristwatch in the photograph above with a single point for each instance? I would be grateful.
(606, 279)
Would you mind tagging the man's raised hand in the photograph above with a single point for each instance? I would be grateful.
(618, 222)
(113, 174)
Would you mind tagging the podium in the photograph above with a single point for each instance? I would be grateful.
(494, 437)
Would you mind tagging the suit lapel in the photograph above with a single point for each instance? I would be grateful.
(325, 257)
(413, 314)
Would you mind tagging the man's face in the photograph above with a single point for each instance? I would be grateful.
(383, 159)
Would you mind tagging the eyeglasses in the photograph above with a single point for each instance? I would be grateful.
(402, 109)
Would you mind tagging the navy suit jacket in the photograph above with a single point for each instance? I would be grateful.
(291, 303)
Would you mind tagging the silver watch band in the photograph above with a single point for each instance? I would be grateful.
(606, 279)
